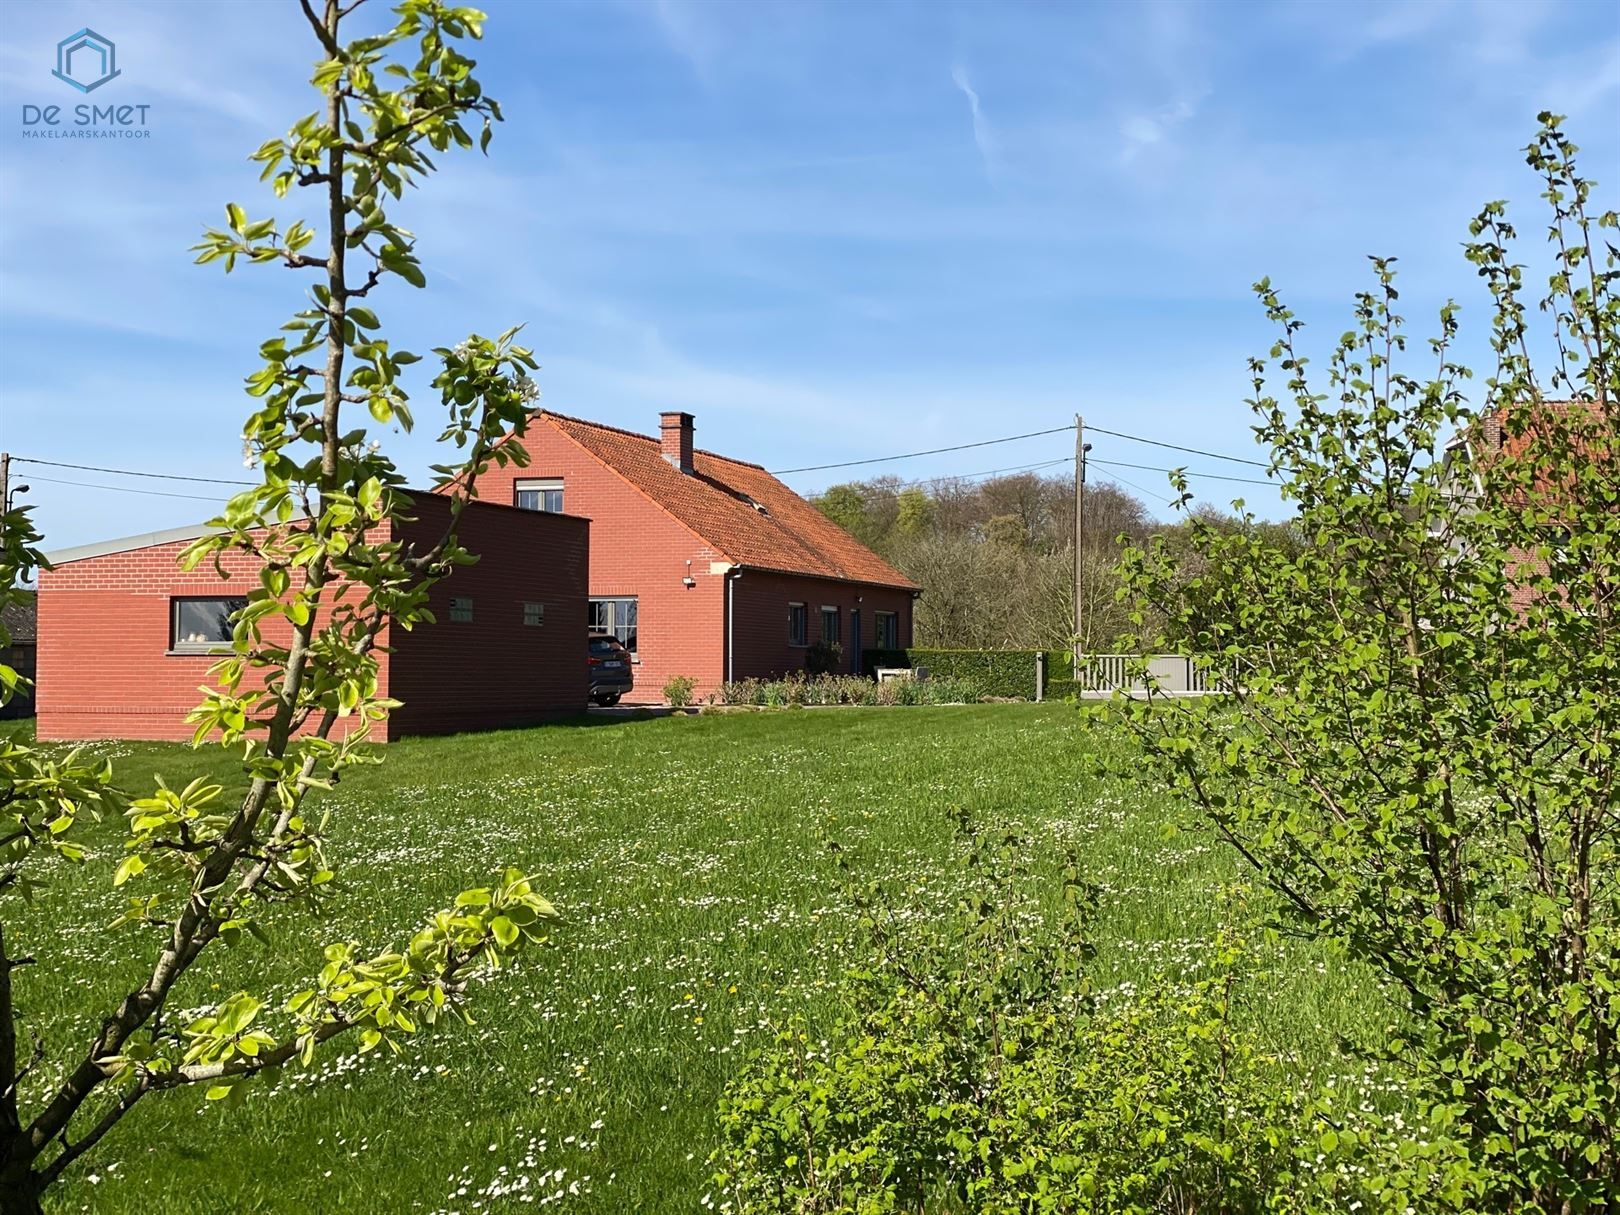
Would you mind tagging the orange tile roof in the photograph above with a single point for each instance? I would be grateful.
(717, 502)
(1560, 415)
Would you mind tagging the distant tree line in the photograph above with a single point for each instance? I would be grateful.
(995, 558)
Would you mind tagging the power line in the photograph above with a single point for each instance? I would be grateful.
(125, 472)
(1146, 493)
(782, 472)
(909, 455)
(124, 489)
(1116, 434)
(990, 472)
(1208, 476)
(1090, 460)
(1213, 455)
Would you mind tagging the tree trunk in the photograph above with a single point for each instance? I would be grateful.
(19, 1191)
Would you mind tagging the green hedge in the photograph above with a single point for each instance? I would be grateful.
(1062, 689)
(993, 672)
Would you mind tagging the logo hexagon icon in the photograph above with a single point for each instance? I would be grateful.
(86, 60)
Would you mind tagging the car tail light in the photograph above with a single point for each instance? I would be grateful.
(595, 662)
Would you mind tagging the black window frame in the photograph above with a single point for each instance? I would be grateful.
(836, 615)
(177, 646)
(798, 624)
(892, 620)
(534, 614)
(461, 609)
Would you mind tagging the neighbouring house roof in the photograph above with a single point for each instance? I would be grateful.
(128, 544)
(21, 620)
(1579, 420)
(196, 531)
(737, 508)
(1490, 425)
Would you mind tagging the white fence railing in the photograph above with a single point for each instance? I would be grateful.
(1173, 674)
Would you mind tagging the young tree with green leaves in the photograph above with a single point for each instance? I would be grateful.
(298, 694)
(1418, 751)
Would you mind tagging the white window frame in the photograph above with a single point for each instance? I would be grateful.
(802, 638)
(614, 627)
(542, 486)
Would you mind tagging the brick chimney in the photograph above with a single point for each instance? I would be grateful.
(675, 439)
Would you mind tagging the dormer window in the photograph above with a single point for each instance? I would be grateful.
(545, 494)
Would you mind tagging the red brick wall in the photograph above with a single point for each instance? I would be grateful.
(105, 670)
(497, 671)
(760, 619)
(636, 549)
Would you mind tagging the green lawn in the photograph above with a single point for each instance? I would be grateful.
(689, 855)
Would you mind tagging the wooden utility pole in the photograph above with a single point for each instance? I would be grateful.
(1079, 536)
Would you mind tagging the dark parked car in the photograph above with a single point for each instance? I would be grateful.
(611, 676)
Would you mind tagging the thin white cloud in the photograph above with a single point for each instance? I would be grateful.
(1585, 86)
(685, 35)
(984, 138)
(1141, 131)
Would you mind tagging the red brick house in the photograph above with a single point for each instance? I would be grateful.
(127, 637)
(703, 565)
(1588, 424)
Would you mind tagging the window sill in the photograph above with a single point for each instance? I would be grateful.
(798, 645)
(209, 651)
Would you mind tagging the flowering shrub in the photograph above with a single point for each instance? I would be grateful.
(678, 690)
(797, 691)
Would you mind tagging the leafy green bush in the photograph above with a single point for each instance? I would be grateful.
(1419, 756)
(976, 1061)
(824, 658)
(1063, 689)
(678, 690)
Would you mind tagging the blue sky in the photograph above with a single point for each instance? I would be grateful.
(830, 231)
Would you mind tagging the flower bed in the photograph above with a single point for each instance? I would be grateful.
(845, 690)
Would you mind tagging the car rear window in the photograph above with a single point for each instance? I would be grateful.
(604, 646)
